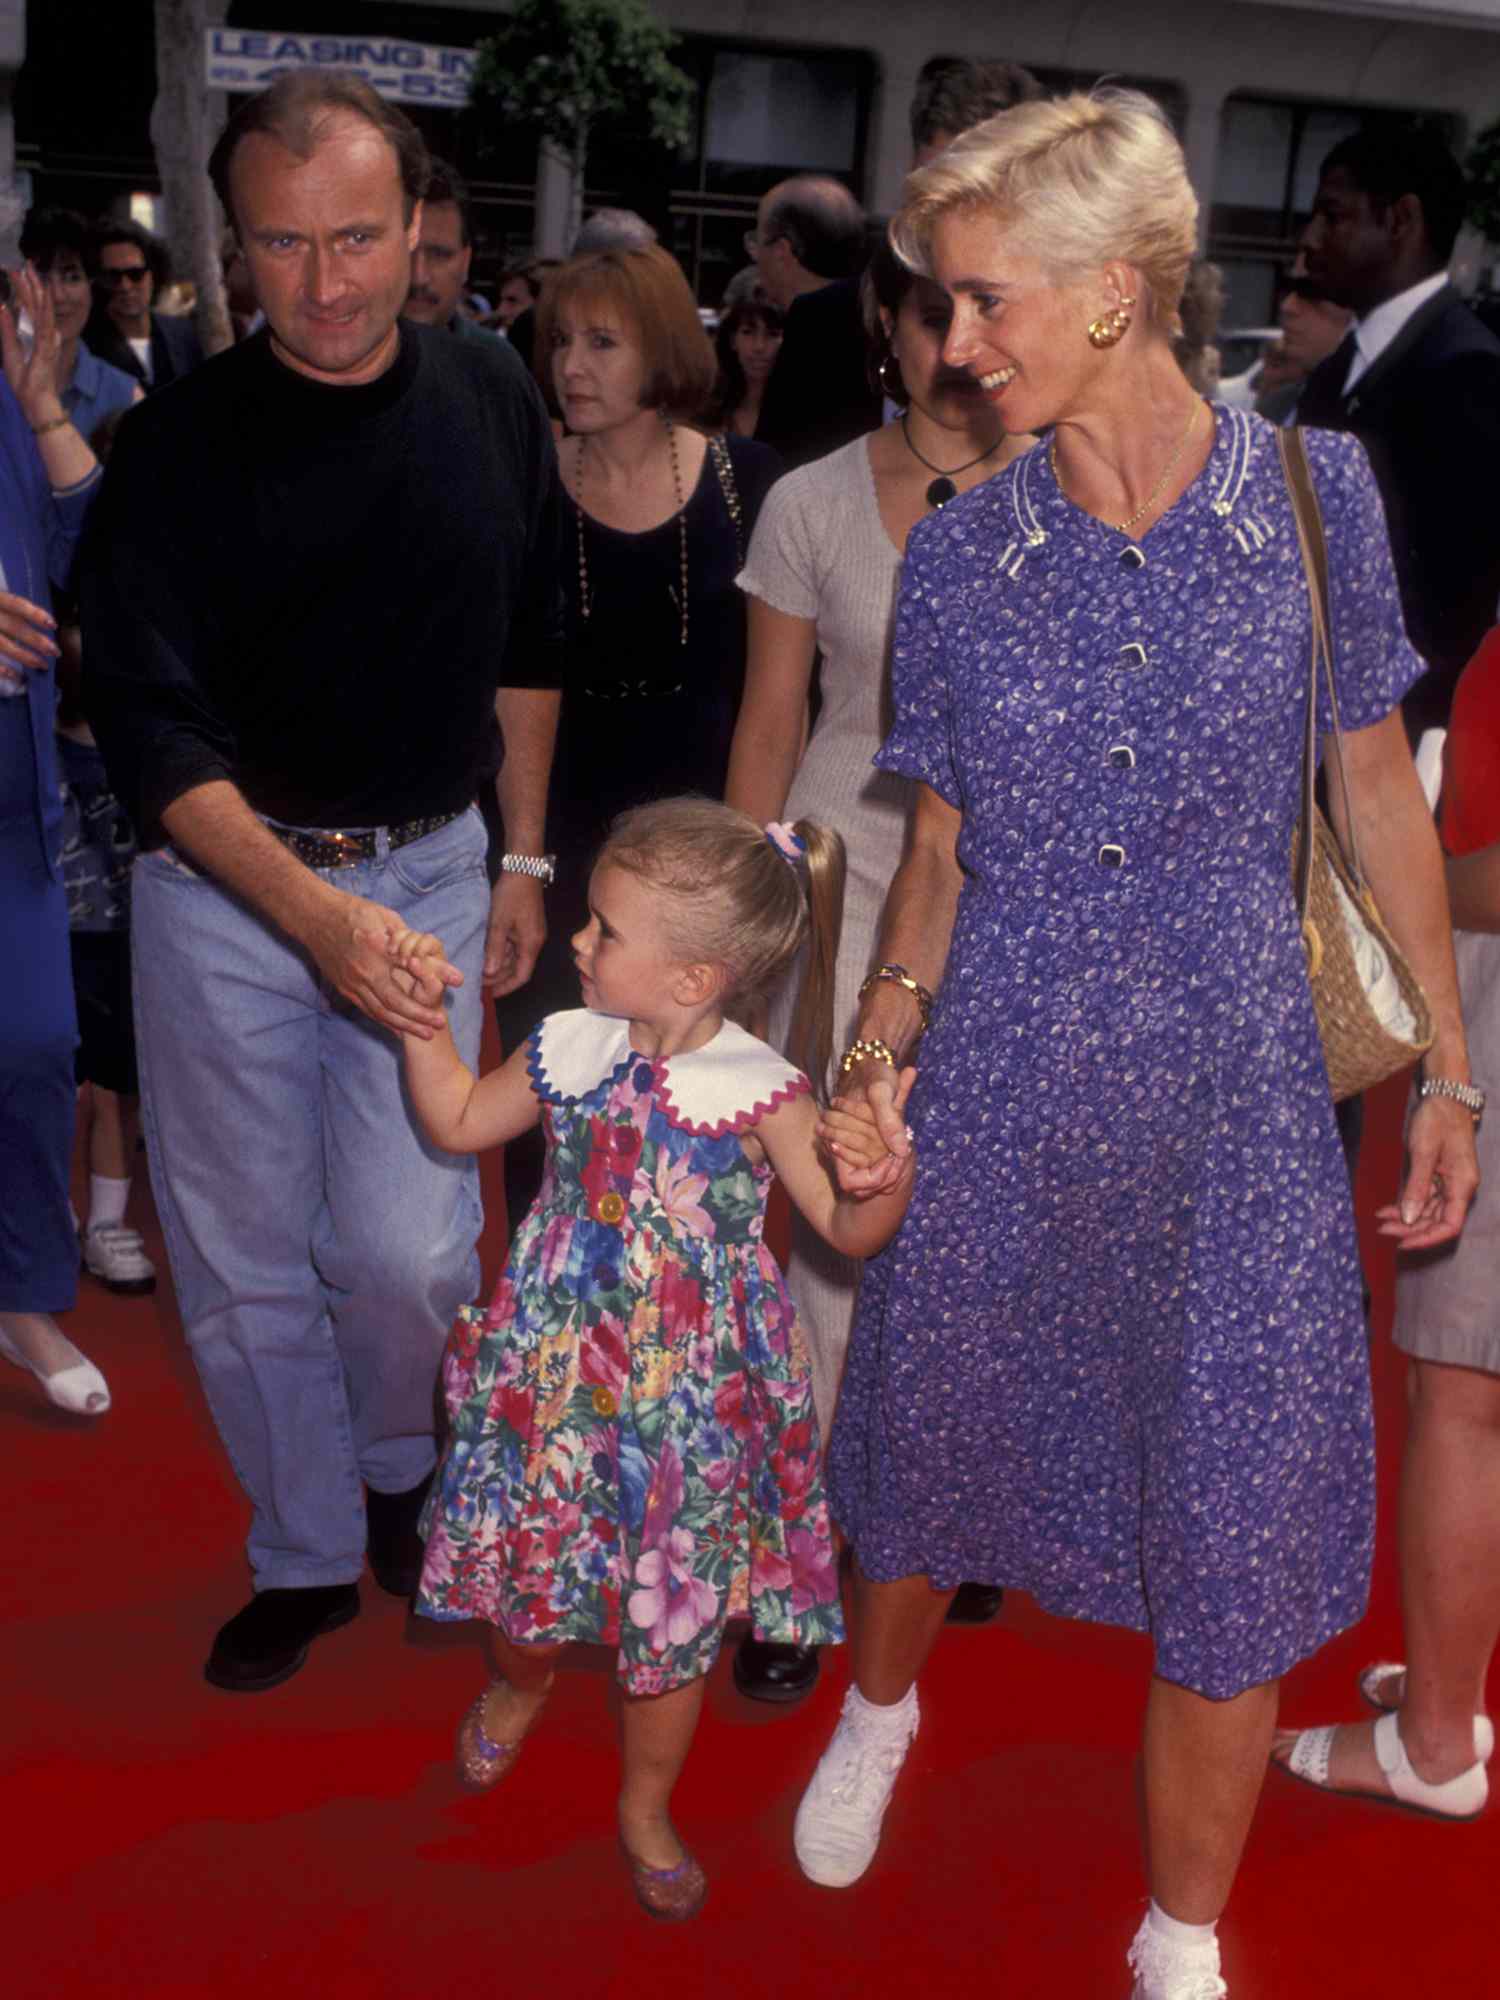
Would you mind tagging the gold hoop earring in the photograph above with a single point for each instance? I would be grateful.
(1112, 327)
(898, 394)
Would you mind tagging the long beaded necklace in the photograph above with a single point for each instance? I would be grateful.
(585, 599)
(1155, 494)
(941, 490)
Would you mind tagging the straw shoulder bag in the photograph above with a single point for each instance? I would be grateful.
(1373, 1016)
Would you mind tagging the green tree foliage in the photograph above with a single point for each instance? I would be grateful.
(573, 69)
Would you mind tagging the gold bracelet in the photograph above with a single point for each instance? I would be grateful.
(897, 975)
(52, 424)
(858, 1050)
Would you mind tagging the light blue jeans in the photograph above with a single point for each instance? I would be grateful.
(319, 1246)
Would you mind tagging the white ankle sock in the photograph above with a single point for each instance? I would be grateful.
(1170, 1931)
(888, 1712)
(107, 1199)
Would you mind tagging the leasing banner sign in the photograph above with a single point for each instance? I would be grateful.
(408, 72)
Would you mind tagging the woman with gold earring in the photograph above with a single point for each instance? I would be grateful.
(1116, 1357)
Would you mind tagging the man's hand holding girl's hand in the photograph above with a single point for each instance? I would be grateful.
(419, 963)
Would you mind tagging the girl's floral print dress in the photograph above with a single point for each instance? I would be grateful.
(633, 1455)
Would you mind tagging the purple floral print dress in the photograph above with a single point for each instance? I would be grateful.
(633, 1455)
(1116, 1356)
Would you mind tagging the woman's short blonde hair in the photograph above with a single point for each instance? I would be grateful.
(1076, 182)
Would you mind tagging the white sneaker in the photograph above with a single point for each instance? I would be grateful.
(116, 1256)
(1166, 1971)
(838, 1821)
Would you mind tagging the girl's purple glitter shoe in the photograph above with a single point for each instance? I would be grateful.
(672, 1894)
(481, 1762)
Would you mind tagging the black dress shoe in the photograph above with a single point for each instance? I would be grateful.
(391, 1536)
(975, 1604)
(264, 1644)
(774, 1673)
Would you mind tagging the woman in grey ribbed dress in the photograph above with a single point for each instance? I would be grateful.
(821, 576)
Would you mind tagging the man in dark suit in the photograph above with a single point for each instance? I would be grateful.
(809, 248)
(1417, 380)
(130, 269)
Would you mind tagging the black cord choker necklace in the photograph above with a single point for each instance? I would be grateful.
(941, 490)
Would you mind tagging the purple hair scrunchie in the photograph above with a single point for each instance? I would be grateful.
(785, 838)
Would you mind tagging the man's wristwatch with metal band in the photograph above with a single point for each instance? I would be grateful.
(540, 867)
(1469, 1095)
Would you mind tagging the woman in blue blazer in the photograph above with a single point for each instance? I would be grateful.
(48, 476)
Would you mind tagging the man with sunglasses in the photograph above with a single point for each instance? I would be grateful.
(130, 267)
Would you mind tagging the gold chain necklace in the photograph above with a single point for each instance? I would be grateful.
(585, 601)
(1155, 494)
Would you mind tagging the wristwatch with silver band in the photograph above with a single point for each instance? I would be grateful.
(1469, 1095)
(540, 867)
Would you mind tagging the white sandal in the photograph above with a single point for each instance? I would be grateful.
(1460, 1798)
(78, 1388)
(1379, 1677)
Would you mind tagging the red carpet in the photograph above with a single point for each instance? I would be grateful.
(166, 1840)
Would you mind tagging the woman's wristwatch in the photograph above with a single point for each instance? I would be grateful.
(1469, 1095)
(540, 867)
(898, 975)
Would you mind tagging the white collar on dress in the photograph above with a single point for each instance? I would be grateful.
(728, 1085)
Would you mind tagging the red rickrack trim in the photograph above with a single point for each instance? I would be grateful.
(796, 1086)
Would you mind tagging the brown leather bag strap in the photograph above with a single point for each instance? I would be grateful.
(1312, 541)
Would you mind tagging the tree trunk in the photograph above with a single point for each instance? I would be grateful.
(182, 138)
(554, 198)
(575, 200)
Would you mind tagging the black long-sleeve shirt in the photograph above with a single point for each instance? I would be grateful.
(314, 591)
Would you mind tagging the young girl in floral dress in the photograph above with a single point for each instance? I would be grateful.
(634, 1455)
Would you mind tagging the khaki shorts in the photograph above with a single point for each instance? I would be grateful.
(1448, 1300)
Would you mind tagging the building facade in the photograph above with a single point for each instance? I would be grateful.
(1258, 89)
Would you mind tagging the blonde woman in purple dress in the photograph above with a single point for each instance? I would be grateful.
(1116, 1356)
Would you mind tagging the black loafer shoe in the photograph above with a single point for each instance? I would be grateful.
(391, 1537)
(975, 1604)
(774, 1673)
(266, 1643)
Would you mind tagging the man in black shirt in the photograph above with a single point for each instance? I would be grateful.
(321, 563)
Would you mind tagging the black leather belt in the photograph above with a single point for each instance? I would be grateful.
(631, 690)
(333, 848)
